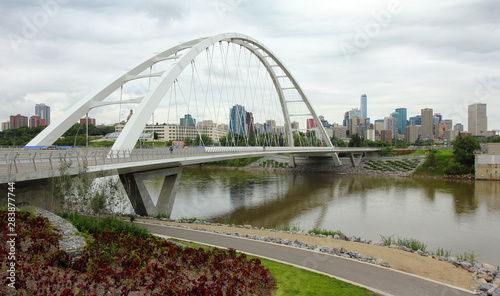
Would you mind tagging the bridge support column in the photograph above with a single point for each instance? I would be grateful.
(292, 161)
(336, 159)
(141, 199)
(355, 158)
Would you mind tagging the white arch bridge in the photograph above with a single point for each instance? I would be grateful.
(230, 84)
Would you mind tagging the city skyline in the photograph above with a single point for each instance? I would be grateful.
(440, 55)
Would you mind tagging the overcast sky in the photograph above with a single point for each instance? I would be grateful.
(420, 54)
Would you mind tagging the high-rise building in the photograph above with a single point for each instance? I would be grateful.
(36, 121)
(411, 133)
(379, 124)
(355, 124)
(43, 111)
(402, 120)
(17, 121)
(415, 120)
(5, 125)
(478, 121)
(391, 124)
(237, 120)
(427, 123)
(188, 120)
(458, 127)
(248, 123)
(363, 106)
(83, 121)
(386, 136)
(448, 123)
(310, 123)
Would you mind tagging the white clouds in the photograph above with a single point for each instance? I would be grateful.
(427, 54)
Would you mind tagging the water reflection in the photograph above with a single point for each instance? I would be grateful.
(442, 213)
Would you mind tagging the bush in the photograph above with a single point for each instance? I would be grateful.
(92, 225)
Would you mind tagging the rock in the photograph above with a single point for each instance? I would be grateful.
(496, 292)
(481, 281)
(325, 249)
(343, 237)
(385, 264)
(485, 287)
(336, 236)
(487, 277)
(489, 266)
(492, 290)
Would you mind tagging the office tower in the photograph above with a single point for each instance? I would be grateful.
(249, 123)
(411, 133)
(43, 111)
(478, 121)
(188, 120)
(415, 120)
(355, 112)
(448, 123)
(458, 127)
(402, 120)
(427, 123)
(379, 124)
(391, 124)
(17, 121)
(354, 125)
(237, 120)
(363, 104)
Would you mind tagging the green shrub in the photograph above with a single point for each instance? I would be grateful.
(92, 225)
(325, 232)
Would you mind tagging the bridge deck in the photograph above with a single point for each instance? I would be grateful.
(29, 164)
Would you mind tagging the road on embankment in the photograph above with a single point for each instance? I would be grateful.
(378, 279)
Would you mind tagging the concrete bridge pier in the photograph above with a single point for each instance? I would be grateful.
(336, 159)
(141, 199)
(355, 158)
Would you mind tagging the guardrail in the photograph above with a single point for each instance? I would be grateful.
(19, 160)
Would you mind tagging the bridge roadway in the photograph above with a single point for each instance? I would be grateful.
(33, 164)
(378, 279)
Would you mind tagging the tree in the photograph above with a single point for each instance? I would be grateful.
(356, 141)
(463, 150)
(204, 140)
(463, 155)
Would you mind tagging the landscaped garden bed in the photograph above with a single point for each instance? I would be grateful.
(123, 264)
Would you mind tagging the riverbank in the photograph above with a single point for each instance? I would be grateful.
(423, 266)
(388, 168)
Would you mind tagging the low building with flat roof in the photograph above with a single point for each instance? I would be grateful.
(487, 164)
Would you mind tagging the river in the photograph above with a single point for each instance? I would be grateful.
(460, 216)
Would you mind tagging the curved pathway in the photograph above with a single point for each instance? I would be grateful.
(375, 278)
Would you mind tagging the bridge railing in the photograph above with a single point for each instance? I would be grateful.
(15, 161)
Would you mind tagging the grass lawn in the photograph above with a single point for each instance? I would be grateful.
(419, 152)
(295, 281)
(443, 158)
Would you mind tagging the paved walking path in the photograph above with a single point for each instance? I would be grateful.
(375, 278)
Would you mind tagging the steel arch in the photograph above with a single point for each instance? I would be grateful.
(183, 54)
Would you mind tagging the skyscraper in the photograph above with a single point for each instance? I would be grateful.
(402, 120)
(237, 120)
(478, 121)
(427, 123)
(17, 121)
(363, 104)
(43, 111)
